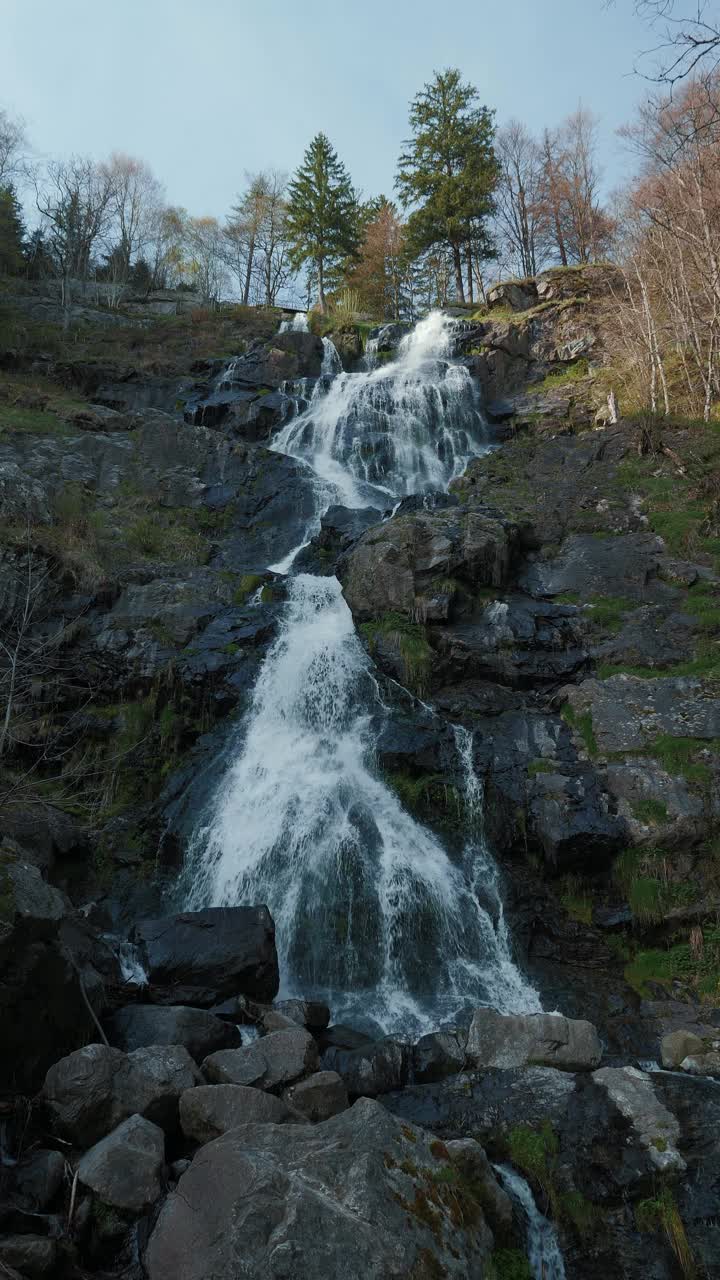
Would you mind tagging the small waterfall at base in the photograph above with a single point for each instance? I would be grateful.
(544, 1255)
(373, 913)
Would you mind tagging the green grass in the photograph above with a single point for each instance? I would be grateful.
(430, 797)
(576, 900)
(154, 538)
(677, 756)
(582, 724)
(608, 612)
(410, 641)
(650, 811)
(540, 765)
(645, 878)
(508, 1264)
(562, 378)
(582, 1215)
(696, 965)
(534, 1151)
(33, 421)
(662, 1214)
(247, 585)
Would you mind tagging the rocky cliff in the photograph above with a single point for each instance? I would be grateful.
(562, 602)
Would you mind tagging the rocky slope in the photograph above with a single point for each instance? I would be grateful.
(563, 604)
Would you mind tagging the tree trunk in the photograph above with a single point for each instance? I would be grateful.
(248, 273)
(66, 301)
(469, 261)
(321, 286)
(457, 260)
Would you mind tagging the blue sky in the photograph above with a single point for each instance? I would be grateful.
(206, 89)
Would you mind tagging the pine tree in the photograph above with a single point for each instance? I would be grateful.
(322, 213)
(12, 233)
(448, 172)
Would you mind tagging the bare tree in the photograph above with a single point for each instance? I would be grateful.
(136, 198)
(76, 202)
(517, 198)
(14, 160)
(206, 250)
(569, 205)
(688, 36)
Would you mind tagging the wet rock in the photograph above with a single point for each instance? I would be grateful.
(33, 1256)
(572, 818)
(548, 1039)
(136, 1026)
(125, 1169)
(628, 712)
(474, 1166)
(199, 957)
(378, 1068)
(656, 1129)
(439, 1054)
(39, 1177)
(269, 1063)
(279, 1198)
(398, 564)
(319, 1097)
(306, 1013)
(89, 1092)
(212, 1109)
(622, 566)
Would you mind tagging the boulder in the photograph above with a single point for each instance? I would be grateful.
(377, 1068)
(90, 1091)
(200, 957)
(306, 1013)
(125, 1169)
(39, 1177)
(212, 1109)
(655, 1128)
(439, 1054)
(269, 1063)
(353, 1196)
(319, 1097)
(545, 1039)
(518, 296)
(702, 1064)
(135, 1026)
(469, 1158)
(33, 1256)
(677, 1045)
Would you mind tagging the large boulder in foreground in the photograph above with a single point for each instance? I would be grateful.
(92, 1090)
(544, 1039)
(200, 957)
(362, 1194)
(210, 1110)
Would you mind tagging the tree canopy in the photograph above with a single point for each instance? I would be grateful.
(448, 171)
(322, 221)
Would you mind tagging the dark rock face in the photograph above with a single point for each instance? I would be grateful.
(199, 957)
(319, 1097)
(272, 1061)
(279, 1196)
(137, 1026)
(367, 1072)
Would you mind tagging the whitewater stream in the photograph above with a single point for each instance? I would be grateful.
(373, 914)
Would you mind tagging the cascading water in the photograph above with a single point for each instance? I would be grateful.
(372, 913)
(298, 323)
(544, 1255)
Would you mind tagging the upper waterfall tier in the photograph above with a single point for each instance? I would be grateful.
(407, 426)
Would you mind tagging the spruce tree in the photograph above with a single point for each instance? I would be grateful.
(322, 213)
(12, 233)
(448, 172)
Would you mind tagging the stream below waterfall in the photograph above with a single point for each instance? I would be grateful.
(372, 913)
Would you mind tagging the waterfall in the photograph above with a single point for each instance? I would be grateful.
(298, 323)
(408, 426)
(372, 913)
(544, 1255)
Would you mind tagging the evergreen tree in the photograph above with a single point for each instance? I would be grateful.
(448, 173)
(322, 213)
(12, 233)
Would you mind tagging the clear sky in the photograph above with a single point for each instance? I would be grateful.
(206, 89)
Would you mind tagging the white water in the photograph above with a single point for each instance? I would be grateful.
(544, 1255)
(409, 426)
(371, 911)
(298, 323)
